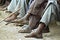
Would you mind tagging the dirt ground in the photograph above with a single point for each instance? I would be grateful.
(10, 31)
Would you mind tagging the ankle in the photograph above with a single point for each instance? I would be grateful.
(41, 23)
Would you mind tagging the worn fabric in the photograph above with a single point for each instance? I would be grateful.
(29, 3)
(11, 7)
(37, 7)
(18, 4)
(34, 12)
(23, 7)
(51, 11)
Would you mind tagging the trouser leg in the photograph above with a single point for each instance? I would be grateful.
(33, 22)
(46, 18)
(12, 5)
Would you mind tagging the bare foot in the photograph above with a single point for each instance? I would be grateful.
(25, 29)
(10, 18)
(37, 33)
(34, 35)
(21, 21)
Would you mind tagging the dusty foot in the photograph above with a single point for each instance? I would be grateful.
(21, 21)
(34, 35)
(25, 29)
(12, 17)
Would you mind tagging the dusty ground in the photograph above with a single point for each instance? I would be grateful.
(10, 32)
